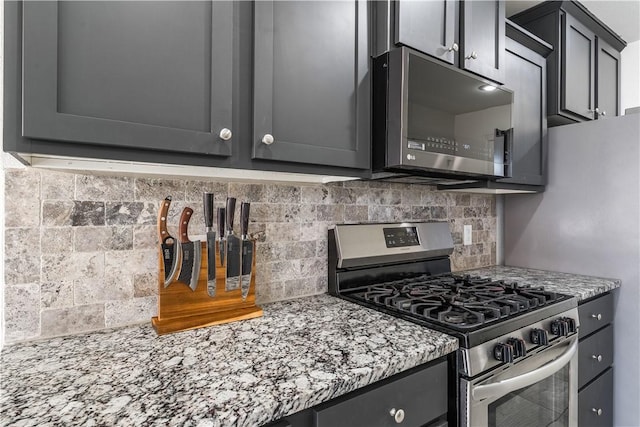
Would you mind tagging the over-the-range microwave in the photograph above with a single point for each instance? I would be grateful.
(432, 119)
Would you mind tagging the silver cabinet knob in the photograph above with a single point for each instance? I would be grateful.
(603, 113)
(595, 111)
(598, 357)
(268, 139)
(473, 55)
(597, 316)
(397, 414)
(454, 47)
(598, 411)
(225, 134)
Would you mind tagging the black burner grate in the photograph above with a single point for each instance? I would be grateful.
(456, 301)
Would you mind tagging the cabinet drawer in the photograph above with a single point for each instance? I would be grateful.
(422, 396)
(595, 314)
(596, 399)
(595, 355)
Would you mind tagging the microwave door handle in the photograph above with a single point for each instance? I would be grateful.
(502, 388)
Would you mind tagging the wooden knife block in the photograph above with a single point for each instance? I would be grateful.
(181, 309)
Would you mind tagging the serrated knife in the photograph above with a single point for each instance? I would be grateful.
(208, 200)
(191, 252)
(169, 245)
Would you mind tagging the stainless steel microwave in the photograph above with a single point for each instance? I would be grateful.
(433, 119)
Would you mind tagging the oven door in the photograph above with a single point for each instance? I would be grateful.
(541, 390)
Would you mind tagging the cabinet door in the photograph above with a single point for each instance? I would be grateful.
(482, 32)
(428, 26)
(578, 68)
(608, 78)
(526, 76)
(151, 75)
(311, 82)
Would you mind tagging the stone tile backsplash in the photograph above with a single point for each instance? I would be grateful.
(80, 250)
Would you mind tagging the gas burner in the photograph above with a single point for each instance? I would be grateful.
(458, 301)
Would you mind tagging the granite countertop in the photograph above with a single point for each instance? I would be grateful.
(583, 287)
(300, 353)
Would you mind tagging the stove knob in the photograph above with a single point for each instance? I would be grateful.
(519, 347)
(571, 324)
(560, 327)
(503, 352)
(539, 337)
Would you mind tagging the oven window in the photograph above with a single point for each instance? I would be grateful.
(545, 403)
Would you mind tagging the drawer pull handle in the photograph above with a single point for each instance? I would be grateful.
(597, 316)
(598, 411)
(397, 414)
(598, 357)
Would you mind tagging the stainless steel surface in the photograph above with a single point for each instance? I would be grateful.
(197, 260)
(439, 161)
(268, 139)
(364, 244)
(480, 358)
(475, 409)
(502, 387)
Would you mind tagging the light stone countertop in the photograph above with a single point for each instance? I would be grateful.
(582, 287)
(300, 353)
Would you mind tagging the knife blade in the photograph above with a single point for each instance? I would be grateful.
(247, 250)
(191, 252)
(169, 245)
(222, 241)
(208, 199)
(233, 249)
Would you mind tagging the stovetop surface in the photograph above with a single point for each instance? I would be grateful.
(467, 306)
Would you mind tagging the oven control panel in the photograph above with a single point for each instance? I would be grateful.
(400, 237)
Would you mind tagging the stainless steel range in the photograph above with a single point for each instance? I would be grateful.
(517, 363)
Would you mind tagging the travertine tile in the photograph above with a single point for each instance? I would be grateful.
(282, 193)
(21, 255)
(333, 213)
(146, 237)
(385, 197)
(283, 231)
(136, 310)
(58, 294)
(96, 187)
(57, 213)
(133, 262)
(314, 195)
(21, 212)
(155, 190)
(196, 189)
(299, 250)
(285, 270)
(87, 213)
(56, 239)
(313, 230)
(72, 266)
(313, 267)
(93, 239)
(72, 320)
(21, 312)
(22, 184)
(87, 291)
(145, 285)
(356, 213)
(252, 193)
(127, 213)
(58, 186)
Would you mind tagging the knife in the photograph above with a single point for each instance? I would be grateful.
(211, 244)
(247, 250)
(222, 241)
(170, 246)
(233, 249)
(191, 252)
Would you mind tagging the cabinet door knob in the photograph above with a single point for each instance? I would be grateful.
(473, 55)
(397, 414)
(597, 316)
(225, 134)
(268, 139)
(598, 411)
(598, 357)
(454, 48)
(603, 113)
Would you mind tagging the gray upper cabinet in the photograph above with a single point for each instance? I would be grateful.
(584, 69)
(468, 34)
(430, 27)
(150, 75)
(482, 37)
(311, 89)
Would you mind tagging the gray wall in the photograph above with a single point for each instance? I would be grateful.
(588, 222)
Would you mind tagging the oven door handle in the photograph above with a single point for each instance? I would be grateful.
(501, 388)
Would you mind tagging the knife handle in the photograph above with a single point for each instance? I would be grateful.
(244, 218)
(162, 218)
(185, 217)
(221, 218)
(231, 210)
(208, 209)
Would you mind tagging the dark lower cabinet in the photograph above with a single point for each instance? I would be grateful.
(415, 398)
(149, 75)
(311, 82)
(595, 360)
(584, 69)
